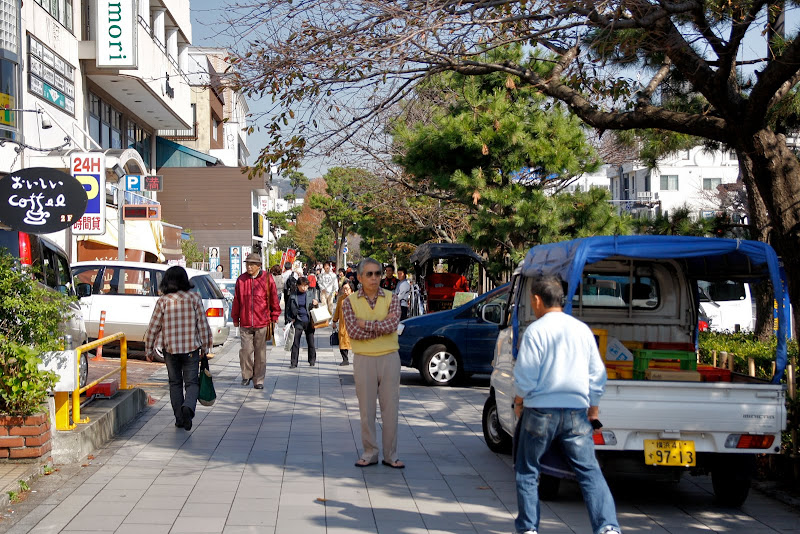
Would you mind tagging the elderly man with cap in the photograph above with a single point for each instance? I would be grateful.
(256, 309)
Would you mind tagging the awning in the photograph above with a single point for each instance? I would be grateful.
(139, 235)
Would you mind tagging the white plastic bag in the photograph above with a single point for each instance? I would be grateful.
(278, 336)
(289, 341)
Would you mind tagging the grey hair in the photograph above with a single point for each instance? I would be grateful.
(367, 261)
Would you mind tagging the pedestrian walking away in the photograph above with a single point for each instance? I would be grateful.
(298, 312)
(179, 322)
(327, 287)
(559, 378)
(403, 291)
(277, 275)
(372, 316)
(341, 324)
(256, 309)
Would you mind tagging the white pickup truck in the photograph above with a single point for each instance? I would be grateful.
(642, 290)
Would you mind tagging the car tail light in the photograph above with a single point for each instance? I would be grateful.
(749, 441)
(215, 312)
(25, 254)
(606, 437)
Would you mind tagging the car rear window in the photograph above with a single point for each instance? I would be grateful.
(604, 290)
(206, 286)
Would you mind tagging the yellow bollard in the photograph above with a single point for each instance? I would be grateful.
(123, 363)
(62, 411)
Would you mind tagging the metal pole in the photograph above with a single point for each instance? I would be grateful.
(121, 226)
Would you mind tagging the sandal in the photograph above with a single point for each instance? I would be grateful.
(364, 463)
(397, 464)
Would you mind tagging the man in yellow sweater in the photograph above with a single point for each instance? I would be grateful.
(372, 315)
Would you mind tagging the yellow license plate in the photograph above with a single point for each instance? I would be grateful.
(670, 452)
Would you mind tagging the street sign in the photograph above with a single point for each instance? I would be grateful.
(344, 250)
(41, 200)
(143, 182)
(89, 168)
(141, 212)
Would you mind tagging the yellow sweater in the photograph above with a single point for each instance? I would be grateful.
(380, 345)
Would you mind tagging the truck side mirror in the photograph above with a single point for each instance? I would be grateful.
(84, 290)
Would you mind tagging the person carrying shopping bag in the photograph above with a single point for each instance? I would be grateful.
(338, 319)
(298, 312)
(179, 322)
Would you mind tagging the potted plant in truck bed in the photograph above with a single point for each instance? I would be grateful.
(32, 317)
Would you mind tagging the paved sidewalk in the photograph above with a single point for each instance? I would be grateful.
(281, 460)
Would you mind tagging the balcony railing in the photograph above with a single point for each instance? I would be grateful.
(180, 135)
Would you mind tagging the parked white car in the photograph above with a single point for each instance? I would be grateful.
(127, 291)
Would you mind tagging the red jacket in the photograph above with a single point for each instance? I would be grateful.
(255, 301)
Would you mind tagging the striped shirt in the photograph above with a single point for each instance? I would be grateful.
(373, 328)
(179, 322)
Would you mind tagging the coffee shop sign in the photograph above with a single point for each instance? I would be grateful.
(41, 200)
(116, 33)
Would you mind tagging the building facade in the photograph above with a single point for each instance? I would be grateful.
(98, 76)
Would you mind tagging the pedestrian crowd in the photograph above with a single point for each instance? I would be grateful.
(559, 376)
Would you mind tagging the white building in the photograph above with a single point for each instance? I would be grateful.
(689, 178)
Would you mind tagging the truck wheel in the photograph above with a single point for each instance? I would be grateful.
(548, 487)
(439, 366)
(83, 374)
(496, 438)
(731, 478)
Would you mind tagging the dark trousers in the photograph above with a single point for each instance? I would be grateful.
(345, 354)
(403, 312)
(308, 328)
(183, 371)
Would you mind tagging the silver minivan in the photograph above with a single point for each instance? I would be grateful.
(128, 291)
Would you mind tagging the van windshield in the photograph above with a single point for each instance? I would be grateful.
(721, 291)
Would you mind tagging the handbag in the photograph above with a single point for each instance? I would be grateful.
(207, 395)
(289, 341)
(320, 315)
(334, 339)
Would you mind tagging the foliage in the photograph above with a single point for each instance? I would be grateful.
(191, 251)
(744, 346)
(684, 67)
(323, 248)
(23, 386)
(30, 313)
(309, 221)
(287, 240)
(679, 222)
(275, 258)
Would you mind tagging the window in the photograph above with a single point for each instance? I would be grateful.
(669, 182)
(106, 127)
(721, 291)
(616, 291)
(733, 156)
(711, 184)
(61, 10)
(8, 94)
(214, 128)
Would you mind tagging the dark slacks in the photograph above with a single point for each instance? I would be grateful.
(183, 371)
(308, 329)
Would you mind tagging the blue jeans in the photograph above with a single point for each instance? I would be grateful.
(183, 371)
(540, 427)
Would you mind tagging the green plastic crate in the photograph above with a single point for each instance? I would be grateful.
(643, 357)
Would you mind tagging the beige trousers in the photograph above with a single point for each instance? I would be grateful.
(253, 353)
(328, 300)
(377, 378)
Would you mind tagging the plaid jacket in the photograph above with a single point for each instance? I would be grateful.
(179, 322)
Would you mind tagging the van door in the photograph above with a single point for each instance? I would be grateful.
(728, 305)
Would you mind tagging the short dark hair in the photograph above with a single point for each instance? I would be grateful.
(349, 284)
(549, 289)
(341, 270)
(276, 269)
(402, 270)
(302, 281)
(287, 265)
(175, 279)
(326, 263)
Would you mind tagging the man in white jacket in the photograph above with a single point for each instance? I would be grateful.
(328, 284)
(559, 378)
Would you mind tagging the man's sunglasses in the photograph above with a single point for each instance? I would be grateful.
(370, 274)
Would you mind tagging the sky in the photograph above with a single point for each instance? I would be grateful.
(206, 15)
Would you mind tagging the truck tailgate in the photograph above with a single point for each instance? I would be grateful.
(707, 413)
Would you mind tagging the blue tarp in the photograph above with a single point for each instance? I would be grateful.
(704, 258)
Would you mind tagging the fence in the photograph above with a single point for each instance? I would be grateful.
(62, 398)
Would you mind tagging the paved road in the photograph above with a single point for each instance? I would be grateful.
(281, 460)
